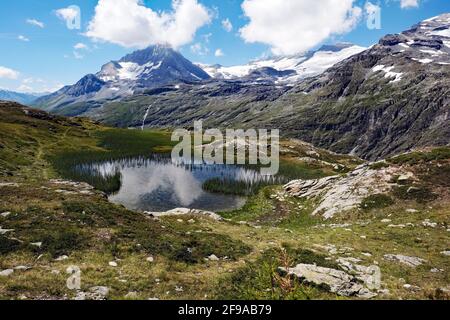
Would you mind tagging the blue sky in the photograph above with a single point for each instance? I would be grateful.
(37, 50)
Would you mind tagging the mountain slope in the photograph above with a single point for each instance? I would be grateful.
(19, 97)
(49, 225)
(388, 99)
(143, 69)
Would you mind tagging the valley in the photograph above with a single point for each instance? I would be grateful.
(373, 103)
(49, 224)
(93, 206)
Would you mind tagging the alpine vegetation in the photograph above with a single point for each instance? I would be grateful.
(235, 147)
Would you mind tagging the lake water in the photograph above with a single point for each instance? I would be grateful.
(156, 184)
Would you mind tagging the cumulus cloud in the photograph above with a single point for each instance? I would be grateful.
(227, 25)
(404, 4)
(293, 26)
(35, 23)
(80, 46)
(8, 73)
(130, 24)
(219, 53)
(23, 38)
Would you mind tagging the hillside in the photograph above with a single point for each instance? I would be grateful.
(396, 219)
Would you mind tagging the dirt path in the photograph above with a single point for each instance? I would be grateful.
(40, 153)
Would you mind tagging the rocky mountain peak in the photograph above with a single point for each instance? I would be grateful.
(154, 53)
(155, 65)
(88, 84)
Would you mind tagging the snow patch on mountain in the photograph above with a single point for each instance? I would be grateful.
(388, 72)
(424, 61)
(307, 65)
(441, 33)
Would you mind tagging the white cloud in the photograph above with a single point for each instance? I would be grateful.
(80, 46)
(404, 4)
(67, 14)
(227, 25)
(199, 49)
(36, 23)
(23, 38)
(219, 53)
(130, 24)
(8, 73)
(293, 26)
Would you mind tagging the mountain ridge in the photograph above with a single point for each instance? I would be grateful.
(20, 97)
(388, 99)
(303, 65)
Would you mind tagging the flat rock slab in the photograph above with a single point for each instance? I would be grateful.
(406, 260)
(337, 281)
(185, 212)
(9, 184)
(6, 273)
(94, 293)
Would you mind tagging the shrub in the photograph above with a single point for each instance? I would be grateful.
(8, 245)
(419, 193)
(376, 201)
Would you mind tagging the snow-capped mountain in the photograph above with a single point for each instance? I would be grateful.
(388, 99)
(427, 42)
(144, 69)
(156, 65)
(295, 67)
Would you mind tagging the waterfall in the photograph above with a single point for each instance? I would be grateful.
(145, 117)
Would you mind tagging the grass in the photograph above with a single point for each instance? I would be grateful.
(260, 280)
(93, 231)
(114, 144)
(289, 170)
(234, 187)
(376, 201)
(415, 158)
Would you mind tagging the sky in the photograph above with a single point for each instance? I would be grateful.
(45, 44)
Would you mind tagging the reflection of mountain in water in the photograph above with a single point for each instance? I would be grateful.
(157, 184)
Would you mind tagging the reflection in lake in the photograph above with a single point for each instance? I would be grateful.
(157, 184)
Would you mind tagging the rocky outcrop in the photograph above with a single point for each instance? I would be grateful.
(336, 281)
(370, 276)
(341, 193)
